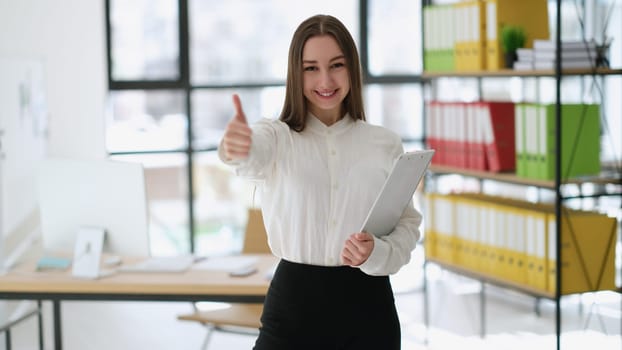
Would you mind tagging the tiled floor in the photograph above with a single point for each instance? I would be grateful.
(510, 320)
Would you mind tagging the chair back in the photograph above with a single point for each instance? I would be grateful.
(255, 237)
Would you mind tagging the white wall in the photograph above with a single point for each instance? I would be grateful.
(68, 37)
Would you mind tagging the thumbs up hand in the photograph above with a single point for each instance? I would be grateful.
(237, 139)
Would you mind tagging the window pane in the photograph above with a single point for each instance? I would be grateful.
(166, 182)
(572, 13)
(212, 110)
(397, 107)
(221, 202)
(248, 41)
(140, 120)
(144, 40)
(394, 37)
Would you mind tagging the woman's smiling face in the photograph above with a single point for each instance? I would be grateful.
(325, 78)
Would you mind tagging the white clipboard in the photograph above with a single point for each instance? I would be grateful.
(397, 192)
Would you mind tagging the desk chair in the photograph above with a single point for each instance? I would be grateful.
(238, 316)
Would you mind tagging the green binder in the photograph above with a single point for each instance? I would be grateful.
(580, 141)
(439, 37)
(519, 129)
(531, 137)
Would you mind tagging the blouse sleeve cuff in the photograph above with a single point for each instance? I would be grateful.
(375, 261)
(223, 157)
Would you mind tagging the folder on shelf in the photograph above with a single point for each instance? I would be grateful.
(530, 115)
(460, 36)
(477, 36)
(452, 133)
(531, 15)
(587, 254)
(440, 115)
(461, 236)
(536, 249)
(580, 140)
(473, 223)
(484, 246)
(495, 240)
(444, 221)
(475, 230)
(429, 242)
(461, 155)
(467, 228)
(498, 126)
(477, 149)
(470, 40)
(519, 138)
(474, 143)
(431, 132)
(501, 238)
(438, 50)
(516, 261)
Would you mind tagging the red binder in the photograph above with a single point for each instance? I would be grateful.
(499, 145)
(475, 137)
(433, 129)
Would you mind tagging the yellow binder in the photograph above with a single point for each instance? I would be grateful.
(445, 220)
(536, 249)
(470, 39)
(516, 262)
(429, 243)
(588, 252)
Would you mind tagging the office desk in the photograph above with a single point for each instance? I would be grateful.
(24, 282)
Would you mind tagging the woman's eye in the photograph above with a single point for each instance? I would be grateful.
(310, 69)
(338, 65)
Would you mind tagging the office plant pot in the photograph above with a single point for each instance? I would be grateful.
(510, 58)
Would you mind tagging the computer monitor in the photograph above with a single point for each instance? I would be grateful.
(93, 193)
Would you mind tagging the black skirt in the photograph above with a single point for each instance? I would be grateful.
(318, 307)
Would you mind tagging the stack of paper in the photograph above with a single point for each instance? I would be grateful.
(525, 59)
(574, 54)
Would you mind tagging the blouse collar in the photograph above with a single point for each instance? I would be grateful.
(316, 125)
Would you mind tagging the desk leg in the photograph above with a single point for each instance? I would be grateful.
(426, 303)
(58, 341)
(40, 322)
(482, 310)
(7, 338)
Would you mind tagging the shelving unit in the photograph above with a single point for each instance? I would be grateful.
(604, 178)
(506, 73)
(611, 175)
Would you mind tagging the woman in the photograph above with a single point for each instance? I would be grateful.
(321, 167)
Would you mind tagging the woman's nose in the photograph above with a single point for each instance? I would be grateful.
(326, 79)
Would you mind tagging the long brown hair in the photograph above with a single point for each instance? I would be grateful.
(294, 111)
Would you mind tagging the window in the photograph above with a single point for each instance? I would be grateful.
(213, 109)
(140, 120)
(246, 41)
(394, 45)
(145, 40)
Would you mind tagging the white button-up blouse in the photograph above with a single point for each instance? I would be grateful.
(318, 186)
